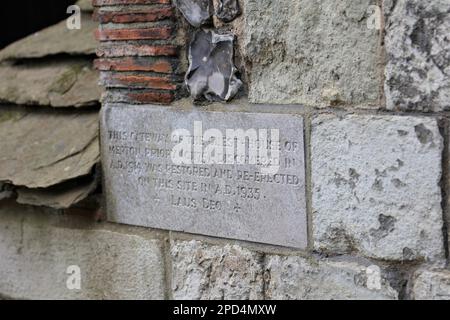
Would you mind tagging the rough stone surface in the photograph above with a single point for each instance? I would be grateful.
(376, 186)
(316, 53)
(431, 285)
(418, 55)
(57, 39)
(207, 272)
(37, 247)
(57, 84)
(44, 148)
(217, 193)
(297, 278)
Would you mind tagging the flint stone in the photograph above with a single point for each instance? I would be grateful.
(376, 186)
(222, 200)
(211, 272)
(196, 12)
(44, 148)
(298, 278)
(418, 55)
(317, 53)
(228, 10)
(211, 72)
(70, 83)
(55, 40)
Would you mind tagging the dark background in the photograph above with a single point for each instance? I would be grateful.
(19, 18)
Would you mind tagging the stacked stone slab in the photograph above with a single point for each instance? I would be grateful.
(138, 52)
(49, 102)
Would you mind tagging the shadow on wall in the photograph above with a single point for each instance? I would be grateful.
(21, 18)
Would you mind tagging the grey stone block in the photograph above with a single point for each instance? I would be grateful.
(317, 53)
(297, 278)
(433, 284)
(212, 272)
(376, 186)
(37, 247)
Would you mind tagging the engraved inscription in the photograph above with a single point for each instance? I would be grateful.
(215, 189)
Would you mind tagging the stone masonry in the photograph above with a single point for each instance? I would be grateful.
(370, 79)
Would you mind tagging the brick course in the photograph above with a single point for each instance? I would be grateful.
(150, 15)
(138, 50)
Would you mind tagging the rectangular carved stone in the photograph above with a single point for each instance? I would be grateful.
(232, 195)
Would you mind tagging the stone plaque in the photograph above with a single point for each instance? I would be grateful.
(223, 174)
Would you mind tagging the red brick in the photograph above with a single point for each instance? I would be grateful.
(138, 81)
(134, 64)
(154, 14)
(124, 50)
(155, 33)
(98, 3)
(150, 97)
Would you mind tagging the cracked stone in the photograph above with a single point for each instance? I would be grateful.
(196, 12)
(211, 73)
(228, 10)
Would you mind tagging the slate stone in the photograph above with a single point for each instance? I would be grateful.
(60, 196)
(145, 186)
(228, 10)
(196, 12)
(57, 39)
(212, 74)
(45, 147)
(60, 83)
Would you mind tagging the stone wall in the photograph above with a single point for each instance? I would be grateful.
(372, 81)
